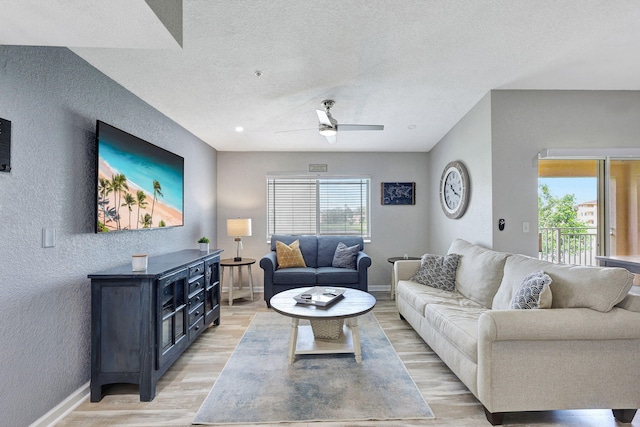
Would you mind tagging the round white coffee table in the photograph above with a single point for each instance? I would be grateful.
(302, 340)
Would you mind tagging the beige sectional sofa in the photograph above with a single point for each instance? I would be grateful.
(583, 352)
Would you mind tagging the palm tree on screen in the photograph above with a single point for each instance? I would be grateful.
(141, 201)
(157, 191)
(129, 201)
(119, 183)
(146, 221)
(104, 188)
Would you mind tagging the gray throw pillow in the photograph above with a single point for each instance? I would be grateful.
(533, 292)
(438, 271)
(345, 256)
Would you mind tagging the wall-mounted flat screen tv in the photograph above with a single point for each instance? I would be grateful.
(139, 185)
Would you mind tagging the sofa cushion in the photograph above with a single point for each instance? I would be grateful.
(295, 276)
(345, 256)
(533, 292)
(458, 325)
(598, 288)
(438, 271)
(419, 296)
(479, 271)
(632, 301)
(289, 256)
(336, 276)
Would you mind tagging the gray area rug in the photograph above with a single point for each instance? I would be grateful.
(258, 385)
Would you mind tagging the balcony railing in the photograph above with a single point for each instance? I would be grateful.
(568, 245)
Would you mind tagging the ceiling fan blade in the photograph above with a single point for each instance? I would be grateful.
(341, 127)
(332, 139)
(324, 118)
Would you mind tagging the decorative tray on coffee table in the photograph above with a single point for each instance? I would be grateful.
(320, 296)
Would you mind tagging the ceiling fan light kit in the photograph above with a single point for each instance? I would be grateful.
(327, 130)
(329, 127)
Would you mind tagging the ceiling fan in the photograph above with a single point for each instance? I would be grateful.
(329, 126)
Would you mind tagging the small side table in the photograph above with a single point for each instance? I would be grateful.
(241, 292)
(393, 260)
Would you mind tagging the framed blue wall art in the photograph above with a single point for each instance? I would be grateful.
(398, 193)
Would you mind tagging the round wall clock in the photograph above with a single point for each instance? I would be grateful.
(454, 189)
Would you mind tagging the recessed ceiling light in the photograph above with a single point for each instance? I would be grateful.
(411, 127)
(258, 73)
(239, 129)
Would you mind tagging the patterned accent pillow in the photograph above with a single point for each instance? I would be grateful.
(289, 256)
(533, 292)
(438, 271)
(345, 256)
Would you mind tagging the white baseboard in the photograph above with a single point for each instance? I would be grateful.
(63, 408)
(379, 288)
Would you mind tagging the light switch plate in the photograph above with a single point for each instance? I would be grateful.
(525, 227)
(48, 237)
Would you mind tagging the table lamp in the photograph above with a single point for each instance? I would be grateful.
(238, 228)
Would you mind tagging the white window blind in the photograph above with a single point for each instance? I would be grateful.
(327, 206)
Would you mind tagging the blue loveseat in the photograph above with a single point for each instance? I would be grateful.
(317, 252)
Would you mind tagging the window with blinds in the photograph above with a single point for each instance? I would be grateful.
(327, 206)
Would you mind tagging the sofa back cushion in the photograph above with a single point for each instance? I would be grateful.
(308, 246)
(327, 247)
(479, 271)
(631, 302)
(598, 288)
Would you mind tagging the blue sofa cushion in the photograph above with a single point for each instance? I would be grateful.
(295, 276)
(336, 276)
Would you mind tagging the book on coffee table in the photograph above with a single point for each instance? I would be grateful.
(320, 296)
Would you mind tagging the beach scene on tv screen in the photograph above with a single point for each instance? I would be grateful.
(140, 186)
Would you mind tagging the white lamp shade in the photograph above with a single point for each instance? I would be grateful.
(239, 227)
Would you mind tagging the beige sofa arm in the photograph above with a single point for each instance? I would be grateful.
(530, 360)
(558, 324)
(405, 269)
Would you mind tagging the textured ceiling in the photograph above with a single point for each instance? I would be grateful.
(414, 66)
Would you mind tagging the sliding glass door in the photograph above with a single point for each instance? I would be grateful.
(622, 207)
(568, 211)
(588, 207)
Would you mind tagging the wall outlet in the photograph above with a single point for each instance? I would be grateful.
(525, 227)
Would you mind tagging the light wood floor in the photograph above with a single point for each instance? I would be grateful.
(182, 389)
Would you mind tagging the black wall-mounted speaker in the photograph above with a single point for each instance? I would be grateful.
(5, 145)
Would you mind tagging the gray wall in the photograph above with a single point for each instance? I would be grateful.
(499, 140)
(53, 99)
(524, 123)
(396, 230)
(469, 142)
